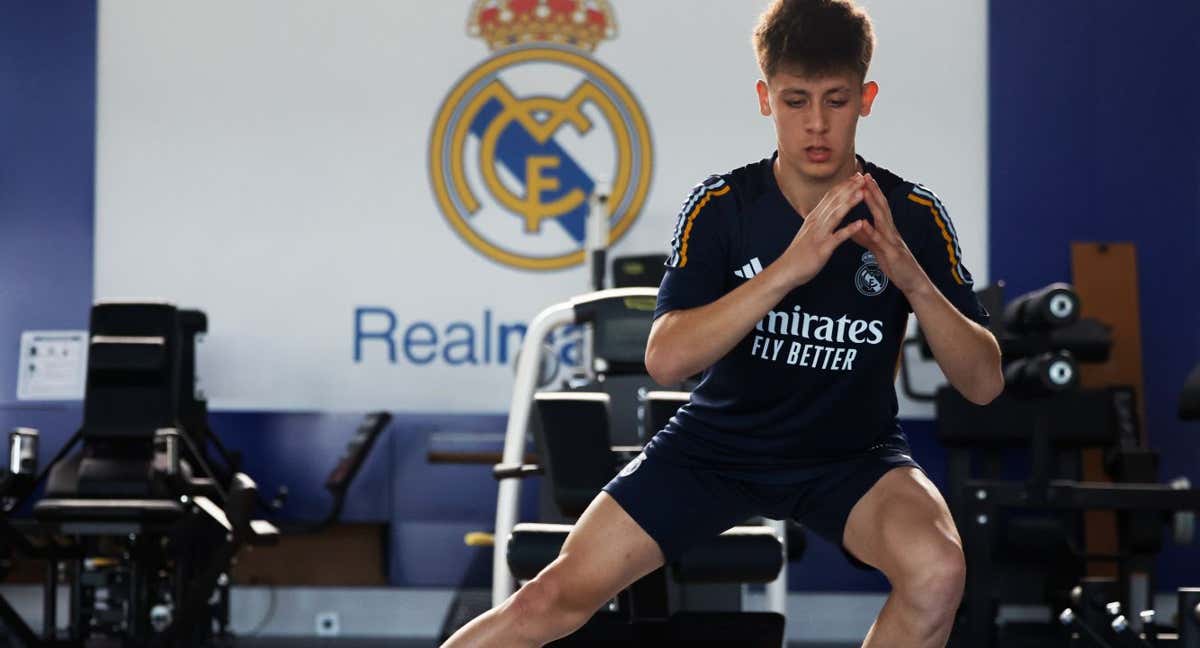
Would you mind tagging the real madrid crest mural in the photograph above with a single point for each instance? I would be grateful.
(524, 138)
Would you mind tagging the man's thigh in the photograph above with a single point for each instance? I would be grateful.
(605, 552)
(901, 524)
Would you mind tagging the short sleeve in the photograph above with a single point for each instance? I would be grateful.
(695, 265)
(941, 256)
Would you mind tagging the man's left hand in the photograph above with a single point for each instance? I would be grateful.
(884, 241)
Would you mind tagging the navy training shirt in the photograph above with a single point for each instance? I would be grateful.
(814, 380)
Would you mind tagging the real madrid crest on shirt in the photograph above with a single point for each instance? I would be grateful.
(522, 140)
(870, 279)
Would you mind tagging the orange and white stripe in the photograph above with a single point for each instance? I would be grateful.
(926, 198)
(699, 198)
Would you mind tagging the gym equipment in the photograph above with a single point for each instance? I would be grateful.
(142, 522)
(137, 520)
(1095, 619)
(631, 271)
(1042, 375)
(22, 467)
(597, 232)
(1189, 401)
(1054, 306)
(352, 459)
(1021, 536)
(644, 270)
(993, 536)
(657, 408)
(341, 475)
(578, 457)
(1041, 336)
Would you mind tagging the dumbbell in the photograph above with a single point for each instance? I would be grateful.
(1051, 307)
(1095, 614)
(1079, 631)
(1049, 373)
(1189, 617)
(1117, 621)
(22, 451)
(1150, 626)
(1183, 523)
(18, 476)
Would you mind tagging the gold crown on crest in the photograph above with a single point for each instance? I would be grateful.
(578, 23)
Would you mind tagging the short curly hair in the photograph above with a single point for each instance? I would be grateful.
(816, 37)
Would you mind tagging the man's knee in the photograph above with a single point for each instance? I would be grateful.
(536, 598)
(544, 608)
(933, 581)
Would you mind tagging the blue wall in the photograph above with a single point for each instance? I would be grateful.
(47, 146)
(47, 135)
(1093, 136)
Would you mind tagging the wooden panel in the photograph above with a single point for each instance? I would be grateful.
(1105, 276)
(349, 555)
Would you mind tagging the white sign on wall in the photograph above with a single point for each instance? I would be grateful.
(371, 199)
(52, 365)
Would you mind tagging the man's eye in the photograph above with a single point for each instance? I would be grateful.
(796, 104)
(837, 103)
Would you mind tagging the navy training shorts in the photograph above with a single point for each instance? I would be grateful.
(680, 503)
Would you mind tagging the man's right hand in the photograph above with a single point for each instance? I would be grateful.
(819, 236)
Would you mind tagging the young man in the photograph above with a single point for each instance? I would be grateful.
(789, 286)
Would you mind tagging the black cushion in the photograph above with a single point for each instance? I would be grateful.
(63, 480)
(106, 471)
(740, 555)
(748, 554)
(107, 510)
(533, 545)
(1189, 400)
(578, 456)
(133, 370)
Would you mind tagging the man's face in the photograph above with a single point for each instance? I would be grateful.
(815, 119)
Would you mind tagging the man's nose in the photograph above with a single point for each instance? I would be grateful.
(817, 122)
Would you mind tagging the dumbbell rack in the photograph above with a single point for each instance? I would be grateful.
(1096, 620)
(982, 500)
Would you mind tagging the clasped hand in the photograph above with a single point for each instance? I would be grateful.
(820, 235)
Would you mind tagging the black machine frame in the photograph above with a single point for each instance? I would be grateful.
(158, 523)
(1048, 418)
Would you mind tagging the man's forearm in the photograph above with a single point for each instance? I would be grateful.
(967, 353)
(685, 342)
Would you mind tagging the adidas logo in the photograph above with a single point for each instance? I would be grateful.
(749, 270)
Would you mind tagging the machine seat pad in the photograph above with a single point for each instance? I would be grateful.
(745, 554)
(62, 509)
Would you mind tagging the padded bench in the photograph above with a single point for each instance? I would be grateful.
(748, 554)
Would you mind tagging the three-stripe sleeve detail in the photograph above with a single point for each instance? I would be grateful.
(699, 198)
(926, 198)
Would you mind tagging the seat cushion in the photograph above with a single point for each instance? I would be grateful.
(61, 509)
(750, 554)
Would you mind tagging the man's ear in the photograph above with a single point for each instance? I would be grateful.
(764, 98)
(870, 90)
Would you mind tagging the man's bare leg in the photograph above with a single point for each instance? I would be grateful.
(903, 528)
(605, 552)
